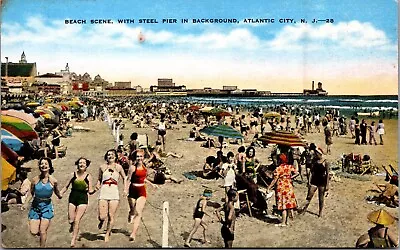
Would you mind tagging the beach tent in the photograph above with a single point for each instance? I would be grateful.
(282, 138)
(18, 127)
(22, 115)
(11, 140)
(8, 173)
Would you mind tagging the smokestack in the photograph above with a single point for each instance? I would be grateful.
(312, 85)
(6, 67)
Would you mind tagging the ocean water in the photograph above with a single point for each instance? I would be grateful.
(349, 103)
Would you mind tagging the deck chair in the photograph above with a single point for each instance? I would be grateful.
(143, 140)
(390, 171)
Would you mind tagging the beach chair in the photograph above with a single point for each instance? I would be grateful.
(244, 191)
(390, 171)
(143, 140)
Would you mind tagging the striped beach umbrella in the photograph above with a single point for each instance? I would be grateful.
(11, 140)
(282, 138)
(8, 173)
(8, 154)
(22, 115)
(18, 127)
(222, 130)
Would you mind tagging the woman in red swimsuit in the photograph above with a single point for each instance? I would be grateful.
(137, 190)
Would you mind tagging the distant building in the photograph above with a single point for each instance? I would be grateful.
(18, 76)
(229, 88)
(45, 89)
(98, 84)
(123, 84)
(165, 82)
(166, 85)
(319, 91)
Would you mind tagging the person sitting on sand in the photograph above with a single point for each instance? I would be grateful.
(198, 216)
(18, 196)
(208, 169)
(379, 236)
(159, 150)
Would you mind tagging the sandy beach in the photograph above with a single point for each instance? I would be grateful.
(345, 212)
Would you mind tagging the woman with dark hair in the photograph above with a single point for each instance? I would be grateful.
(208, 168)
(81, 185)
(251, 164)
(109, 174)
(319, 179)
(137, 195)
(42, 211)
(284, 191)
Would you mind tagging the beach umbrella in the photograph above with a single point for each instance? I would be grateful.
(194, 108)
(8, 173)
(282, 138)
(8, 154)
(11, 140)
(223, 113)
(43, 111)
(222, 130)
(381, 217)
(206, 109)
(272, 114)
(32, 104)
(22, 115)
(18, 127)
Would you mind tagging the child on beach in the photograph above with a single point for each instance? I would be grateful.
(228, 225)
(198, 215)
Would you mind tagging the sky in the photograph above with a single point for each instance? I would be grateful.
(354, 52)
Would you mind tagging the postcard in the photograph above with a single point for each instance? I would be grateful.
(205, 124)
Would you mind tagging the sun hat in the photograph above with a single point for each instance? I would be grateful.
(380, 217)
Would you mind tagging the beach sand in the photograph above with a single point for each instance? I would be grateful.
(344, 219)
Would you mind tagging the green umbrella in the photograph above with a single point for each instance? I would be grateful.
(222, 130)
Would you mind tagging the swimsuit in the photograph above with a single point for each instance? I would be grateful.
(41, 207)
(378, 242)
(137, 187)
(78, 195)
(109, 188)
(198, 211)
(318, 174)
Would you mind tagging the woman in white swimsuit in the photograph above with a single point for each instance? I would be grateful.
(107, 183)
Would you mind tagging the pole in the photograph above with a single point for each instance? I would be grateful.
(165, 224)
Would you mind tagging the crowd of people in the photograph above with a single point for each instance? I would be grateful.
(130, 165)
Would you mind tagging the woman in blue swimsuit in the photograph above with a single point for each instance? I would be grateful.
(41, 211)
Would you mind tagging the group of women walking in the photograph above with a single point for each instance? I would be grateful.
(81, 182)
